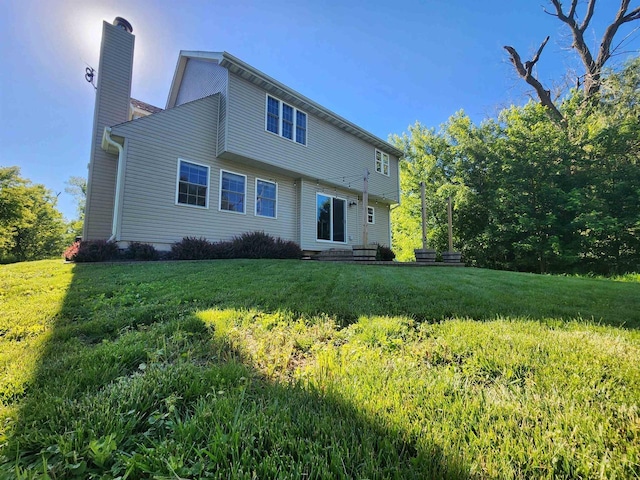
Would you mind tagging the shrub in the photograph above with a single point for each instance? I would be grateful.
(287, 249)
(141, 251)
(71, 251)
(253, 245)
(92, 251)
(247, 245)
(263, 245)
(385, 253)
(222, 250)
(192, 248)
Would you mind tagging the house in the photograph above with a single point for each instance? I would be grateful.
(234, 151)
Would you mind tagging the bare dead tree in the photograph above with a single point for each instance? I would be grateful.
(593, 66)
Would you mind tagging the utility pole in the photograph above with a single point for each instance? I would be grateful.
(424, 216)
(450, 215)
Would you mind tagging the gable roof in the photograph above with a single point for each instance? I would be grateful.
(144, 106)
(262, 80)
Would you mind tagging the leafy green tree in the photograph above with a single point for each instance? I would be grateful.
(429, 159)
(77, 186)
(30, 225)
(528, 195)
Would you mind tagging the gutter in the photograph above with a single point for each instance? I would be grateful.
(106, 142)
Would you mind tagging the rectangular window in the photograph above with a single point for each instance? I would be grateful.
(266, 198)
(273, 115)
(382, 162)
(286, 121)
(331, 218)
(233, 191)
(301, 128)
(193, 184)
(371, 218)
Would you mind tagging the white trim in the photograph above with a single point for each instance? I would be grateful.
(255, 209)
(373, 215)
(220, 209)
(383, 155)
(346, 222)
(281, 120)
(206, 206)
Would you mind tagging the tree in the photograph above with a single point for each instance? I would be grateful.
(77, 186)
(428, 158)
(30, 225)
(530, 196)
(593, 65)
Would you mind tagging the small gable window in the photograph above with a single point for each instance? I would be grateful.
(286, 121)
(371, 217)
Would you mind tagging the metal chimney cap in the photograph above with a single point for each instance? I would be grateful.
(123, 24)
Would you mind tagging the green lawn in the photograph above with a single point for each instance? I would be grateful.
(290, 369)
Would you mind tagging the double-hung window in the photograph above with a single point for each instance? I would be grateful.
(193, 184)
(266, 198)
(273, 115)
(301, 128)
(286, 121)
(233, 191)
(382, 162)
(371, 215)
(331, 218)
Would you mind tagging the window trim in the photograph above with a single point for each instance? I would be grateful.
(383, 155)
(346, 221)
(206, 206)
(294, 128)
(373, 215)
(275, 210)
(220, 209)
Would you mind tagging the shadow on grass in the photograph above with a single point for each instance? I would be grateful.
(132, 384)
(347, 292)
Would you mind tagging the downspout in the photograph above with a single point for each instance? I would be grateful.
(119, 175)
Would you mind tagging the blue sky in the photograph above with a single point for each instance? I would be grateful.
(383, 65)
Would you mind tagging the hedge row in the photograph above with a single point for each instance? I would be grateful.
(247, 245)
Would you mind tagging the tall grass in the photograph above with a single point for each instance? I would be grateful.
(280, 369)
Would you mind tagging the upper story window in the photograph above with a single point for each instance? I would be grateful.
(382, 162)
(371, 215)
(233, 191)
(286, 121)
(301, 128)
(193, 184)
(273, 115)
(266, 198)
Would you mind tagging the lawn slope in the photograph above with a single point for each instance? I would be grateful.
(288, 369)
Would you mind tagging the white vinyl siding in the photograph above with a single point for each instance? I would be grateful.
(286, 121)
(151, 215)
(328, 148)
